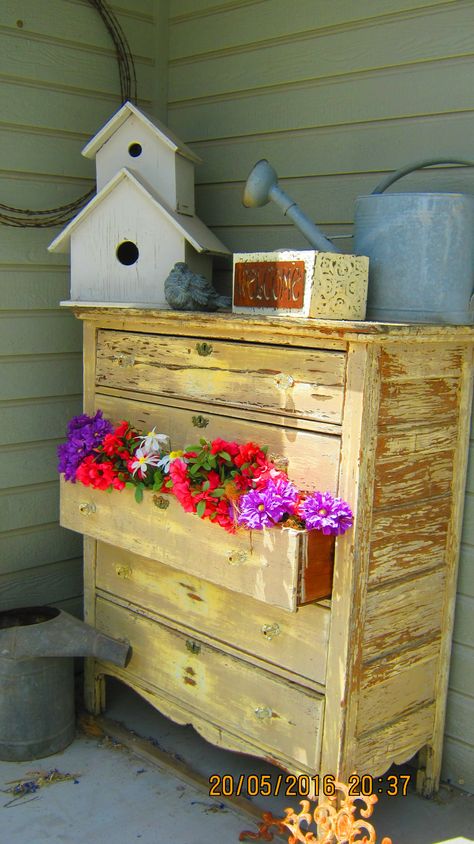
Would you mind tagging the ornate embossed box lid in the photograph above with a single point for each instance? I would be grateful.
(305, 283)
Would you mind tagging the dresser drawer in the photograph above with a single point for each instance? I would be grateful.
(285, 568)
(313, 459)
(270, 634)
(281, 718)
(299, 383)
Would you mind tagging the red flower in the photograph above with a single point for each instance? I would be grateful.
(98, 475)
(231, 448)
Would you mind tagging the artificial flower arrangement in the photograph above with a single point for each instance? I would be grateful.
(234, 485)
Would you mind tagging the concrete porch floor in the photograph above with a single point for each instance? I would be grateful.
(122, 797)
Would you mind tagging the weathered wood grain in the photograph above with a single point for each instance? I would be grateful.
(403, 613)
(301, 383)
(313, 459)
(297, 643)
(399, 481)
(163, 658)
(420, 400)
(407, 540)
(265, 565)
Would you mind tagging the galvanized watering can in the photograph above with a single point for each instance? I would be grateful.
(37, 646)
(420, 245)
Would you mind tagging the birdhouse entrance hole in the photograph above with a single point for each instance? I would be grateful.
(135, 150)
(127, 253)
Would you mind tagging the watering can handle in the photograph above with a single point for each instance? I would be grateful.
(417, 165)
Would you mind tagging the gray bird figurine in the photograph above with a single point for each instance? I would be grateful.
(187, 291)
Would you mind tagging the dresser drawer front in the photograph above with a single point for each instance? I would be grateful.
(279, 567)
(269, 633)
(280, 717)
(299, 383)
(313, 459)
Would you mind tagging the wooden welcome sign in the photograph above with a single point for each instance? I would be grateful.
(305, 284)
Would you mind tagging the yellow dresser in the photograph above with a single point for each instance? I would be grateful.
(224, 631)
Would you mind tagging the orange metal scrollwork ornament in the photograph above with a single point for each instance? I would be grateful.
(337, 825)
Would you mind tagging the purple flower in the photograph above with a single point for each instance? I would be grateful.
(267, 506)
(321, 511)
(84, 434)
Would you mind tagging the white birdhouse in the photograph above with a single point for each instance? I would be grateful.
(150, 151)
(126, 240)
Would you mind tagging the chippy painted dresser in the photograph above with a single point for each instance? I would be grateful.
(378, 414)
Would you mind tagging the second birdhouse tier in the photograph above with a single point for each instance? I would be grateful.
(150, 150)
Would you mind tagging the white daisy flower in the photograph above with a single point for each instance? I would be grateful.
(141, 460)
(155, 443)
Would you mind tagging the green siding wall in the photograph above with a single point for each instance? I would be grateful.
(335, 94)
(58, 84)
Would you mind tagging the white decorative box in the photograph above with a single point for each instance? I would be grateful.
(306, 283)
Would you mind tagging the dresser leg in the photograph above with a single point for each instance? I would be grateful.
(94, 689)
(429, 770)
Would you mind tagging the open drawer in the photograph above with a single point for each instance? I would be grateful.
(285, 568)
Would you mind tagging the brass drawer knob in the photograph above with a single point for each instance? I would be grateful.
(271, 630)
(122, 359)
(204, 349)
(192, 646)
(284, 381)
(263, 712)
(87, 508)
(200, 421)
(237, 558)
(161, 502)
(123, 571)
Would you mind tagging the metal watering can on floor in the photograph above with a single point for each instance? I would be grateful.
(420, 245)
(37, 646)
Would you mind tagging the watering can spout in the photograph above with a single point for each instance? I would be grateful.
(262, 186)
(37, 632)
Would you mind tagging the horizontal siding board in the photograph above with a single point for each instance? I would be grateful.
(320, 151)
(74, 605)
(49, 62)
(245, 18)
(463, 621)
(36, 461)
(468, 524)
(20, 550)
(30, 378)
(37, 289)
(29, 191)
(458, 766)
(461, 678)
(44, 153)
(382, 44)
(459, 716)
(222, 203)
(466, 571)
(41, 585)
(34, 333)
(30, 246)
(81, 25)
(29, 104)
(432, 88)
(43, 419)
(29, 506)
(255, 238)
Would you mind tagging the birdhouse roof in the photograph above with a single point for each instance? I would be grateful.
(159, 129)
(192, 228)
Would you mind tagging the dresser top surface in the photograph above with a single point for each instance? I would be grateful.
(272, 329)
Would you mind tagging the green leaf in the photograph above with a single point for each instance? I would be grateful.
(139, 494)
(200, 509)
(193, 470)
(218, 492)
(206, 486)
(225, 455)
(130, 485)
